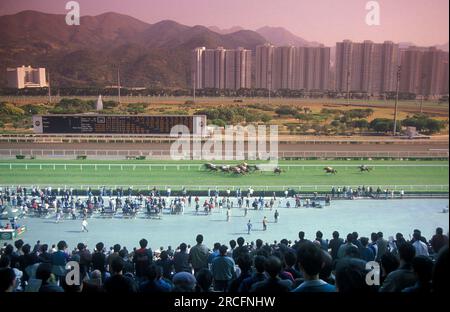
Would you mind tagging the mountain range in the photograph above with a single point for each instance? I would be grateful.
(88, 55)
(149, 55)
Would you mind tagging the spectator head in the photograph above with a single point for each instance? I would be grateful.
(244, 262)
(335, 234)
(18, 244)
(389, 263)
(380, 235)
(352, 252)
(199, 239)
(319, 235)
(439, 231)
(290, 258)
(416, 236)
(164, 255)
(123, 253)
(217, 246)
(310, 259)
(223, 250)
(117, 265)
(301, 235)
(44, 272)
(183, 247)
(26, 249)
(99, 246)
(273, 266)
(9, 249)
(81, 246)
(184, 282)
(399, 238)
(259, 243)
(355, 235)
(7, 280)
(423, 267)
(441, 272)
(62, 245)
(373, 237)
(116, 248)
(143, 243)
(233, 244)
(153, 272)
(351, 277)
(364, 241)
(204, 279)
(260, 263)
(349, 237)
(240, 241)
(5, 262)
(406, 252)
(327, 267)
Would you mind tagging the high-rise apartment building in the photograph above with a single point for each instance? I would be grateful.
(221, 68)
(26, 77)
(424, 71)
(366, 67)
(294, 68)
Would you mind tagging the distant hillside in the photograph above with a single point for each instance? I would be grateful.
(88, 55)
(279, 36)
(225, 31)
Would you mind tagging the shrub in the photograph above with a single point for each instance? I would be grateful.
(360, 123)
(286, 111)
(423, 123)
(10, 109)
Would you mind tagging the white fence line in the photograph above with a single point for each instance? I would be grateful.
(244, 188)
(165, 154)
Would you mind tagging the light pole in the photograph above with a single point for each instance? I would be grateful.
(348, 87)
(396, 99)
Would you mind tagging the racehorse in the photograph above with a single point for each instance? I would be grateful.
(363, 168)
(211, 167)
(277, 170)
(330, 170)
(225, 168)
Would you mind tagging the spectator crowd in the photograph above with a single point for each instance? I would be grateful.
(349, 265)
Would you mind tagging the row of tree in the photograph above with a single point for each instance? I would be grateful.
(209, 93)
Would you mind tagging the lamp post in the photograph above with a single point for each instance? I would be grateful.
(396, 100)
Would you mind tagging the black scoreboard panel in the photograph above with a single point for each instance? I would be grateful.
(115, 124)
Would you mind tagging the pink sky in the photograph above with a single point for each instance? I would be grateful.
(424, 22)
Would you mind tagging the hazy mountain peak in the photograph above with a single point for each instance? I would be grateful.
(280, 36)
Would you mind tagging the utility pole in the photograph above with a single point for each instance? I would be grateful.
(195, 82)
(348, 86)
(118, 82)
(49, 91)
(396, 99)
(423, 93)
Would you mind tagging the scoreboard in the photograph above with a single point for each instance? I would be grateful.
(117, 124)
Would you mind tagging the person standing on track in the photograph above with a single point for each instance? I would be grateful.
(276, 216)
(249, 227)
(84, 225)
(228, 214)
(265, 224)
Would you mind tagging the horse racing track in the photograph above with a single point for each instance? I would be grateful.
(418, 176)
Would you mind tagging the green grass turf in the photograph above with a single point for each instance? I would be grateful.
(418, 175)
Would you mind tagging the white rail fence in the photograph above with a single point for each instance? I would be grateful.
(244, 188)
(165, 154)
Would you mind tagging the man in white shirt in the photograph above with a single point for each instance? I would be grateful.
(420, 247)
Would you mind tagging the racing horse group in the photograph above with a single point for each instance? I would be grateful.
(245, 168)
(242, 168)
(362, 168)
